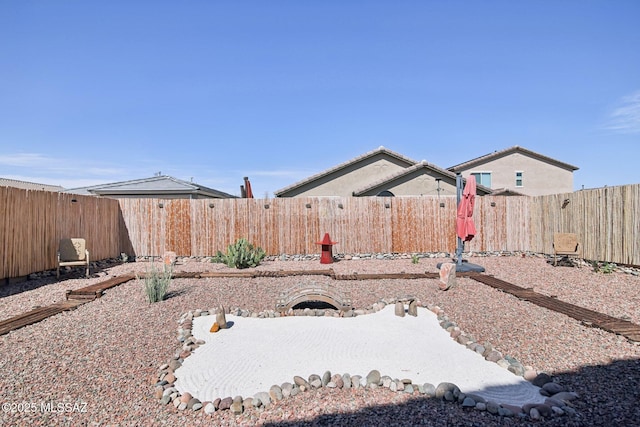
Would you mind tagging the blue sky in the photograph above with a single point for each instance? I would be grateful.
(94, 92)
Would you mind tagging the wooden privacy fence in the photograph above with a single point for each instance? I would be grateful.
(605, 220)
(32, 222)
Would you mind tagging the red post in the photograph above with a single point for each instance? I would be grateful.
(326, 257)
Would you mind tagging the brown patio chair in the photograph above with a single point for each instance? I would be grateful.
(73, 252)
(564, 244)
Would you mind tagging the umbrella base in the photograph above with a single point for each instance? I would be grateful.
(466, 267)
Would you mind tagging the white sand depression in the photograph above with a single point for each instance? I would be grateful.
(254, 354)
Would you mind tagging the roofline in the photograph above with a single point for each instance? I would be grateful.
(195, 188)
(343, 165)
(501, 153)
(411, 169)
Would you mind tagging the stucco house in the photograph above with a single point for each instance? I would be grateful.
(6, 182)
(160, 186)
(381, 172)
(517, 170)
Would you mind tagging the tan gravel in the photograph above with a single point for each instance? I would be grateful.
(97, 365)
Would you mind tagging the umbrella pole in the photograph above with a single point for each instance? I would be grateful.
(460, 246)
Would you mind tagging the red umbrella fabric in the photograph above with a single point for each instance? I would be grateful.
(465, 228)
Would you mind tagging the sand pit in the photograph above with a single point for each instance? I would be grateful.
(254, 354)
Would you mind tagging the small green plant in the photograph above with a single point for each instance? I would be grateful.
(241, 254)
(157, 282)
(415, 259)
(608, 267)
(605, 267)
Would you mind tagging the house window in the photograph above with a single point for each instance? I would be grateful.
(483, 178)
(519, 179)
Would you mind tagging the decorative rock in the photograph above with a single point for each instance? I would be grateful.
(275, 393)
(544, 410)
(174, 364)
(445, 387)
(346, 379)
(316, 383)
(529, 374)
(221, 319)
(477, 398)
(494, 356)
(302, 383)
(565, 396)
(468, 402)
(481, 406)
(413, 308)
(262, 398)
(409, 388)
(337, 380)
(399, 309)
(534, 414)
(286, 389)
(237, 408)
(356, 381)
(552, 388)
(247, 402)
(516, 369)
(429, 389)
(503, 363)
(225, 403)
(159, 392)
(447, 276)
(169, 258)
(505, 412)
(186, 397)
(374, 376)
(541, 379)
(326, 377)
(493, 408)
(165, 399)
(192, 402)
(216, 403)
(196, 406)
(513, 410)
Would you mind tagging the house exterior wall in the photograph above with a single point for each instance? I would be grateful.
(539, 177)
(346, 181)
(417, 184)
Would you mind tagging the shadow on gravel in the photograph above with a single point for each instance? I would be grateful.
(609, 395)
(27, 285)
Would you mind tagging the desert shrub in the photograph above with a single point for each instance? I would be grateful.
(240, 254)
(157, 282)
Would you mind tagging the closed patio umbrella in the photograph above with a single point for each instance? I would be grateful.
(465, 227)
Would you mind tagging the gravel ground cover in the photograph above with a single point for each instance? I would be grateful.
(97, 365)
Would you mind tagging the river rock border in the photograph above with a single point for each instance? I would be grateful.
(557, 403)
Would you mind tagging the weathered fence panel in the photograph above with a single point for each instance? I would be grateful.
(32, 222)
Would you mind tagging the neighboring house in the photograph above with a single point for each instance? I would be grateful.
(380, 172)
(520, 171)
(161, 186)
(6, 182)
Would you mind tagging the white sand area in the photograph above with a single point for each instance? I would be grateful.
(254, 354)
